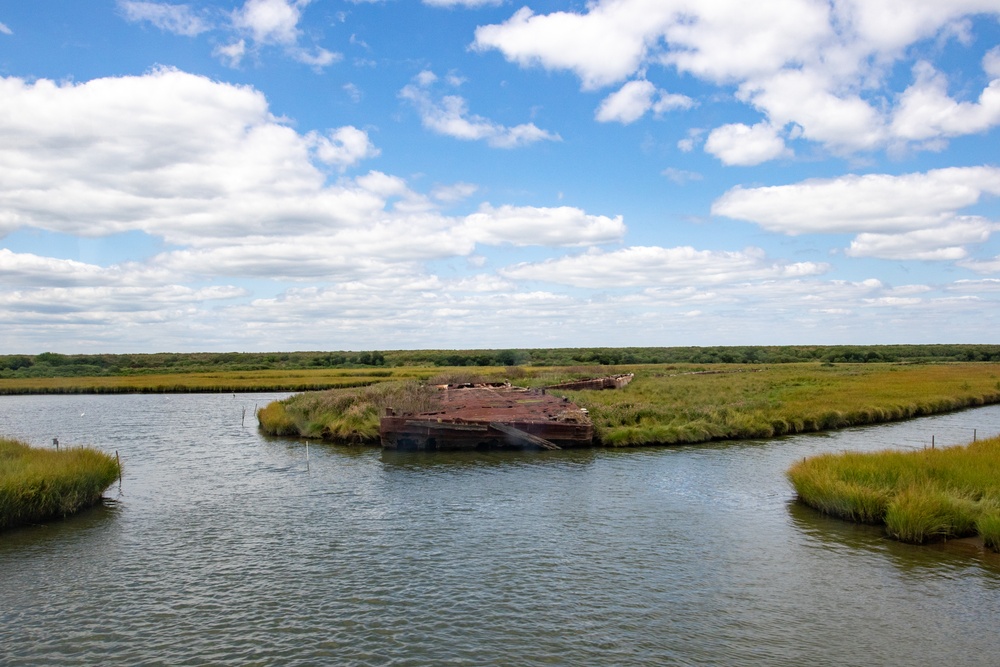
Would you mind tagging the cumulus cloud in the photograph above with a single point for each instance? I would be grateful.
(343, 147)
(913, 216)
(270, 21)
(5, 30)
(743, 145)
(925, 110)
(238, 190)
(634, 99)
(527, 225)
(651, 265)
(449, 115)
(822, 68)
(177, 19)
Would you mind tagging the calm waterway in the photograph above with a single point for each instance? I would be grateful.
(228, 548)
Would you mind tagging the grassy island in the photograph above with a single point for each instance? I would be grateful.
(39, 484)
(920, 496)
(683, 403)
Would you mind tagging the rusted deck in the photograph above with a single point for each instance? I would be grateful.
(610, 382)
(490, 417)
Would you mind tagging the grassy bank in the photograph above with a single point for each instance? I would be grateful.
(686, 404)
(39, 484)
(919, 496)
(741, 402)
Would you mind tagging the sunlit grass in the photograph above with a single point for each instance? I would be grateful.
(38, 484)
(919, 496)
(662, 406)
(676, 404)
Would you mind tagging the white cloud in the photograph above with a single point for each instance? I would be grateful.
(231, 54)
(875, 203)
(449, 115)
(450, 194)
(237, 190)
(634, 99)
(344, 147)
(914, 216)
(270, 21)
(5, 30)
(30, 270)
(925, 110)
(177, 19)
(642, 266)
(991, 62)
(603, 46)
(743, 145)
(527, 225)
(982, 266)
(821, 67)
(941, 243)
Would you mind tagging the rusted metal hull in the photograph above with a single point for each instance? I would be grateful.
(490, 418)
(610, 382)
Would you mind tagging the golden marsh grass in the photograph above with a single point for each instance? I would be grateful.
(688, 403)
(39, 484)
(920, 496)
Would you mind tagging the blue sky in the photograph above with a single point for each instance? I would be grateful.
(293, 175)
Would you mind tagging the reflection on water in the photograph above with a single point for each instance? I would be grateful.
(229, 548)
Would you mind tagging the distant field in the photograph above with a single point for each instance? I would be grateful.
(220, 381)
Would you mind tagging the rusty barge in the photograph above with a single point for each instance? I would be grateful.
(494, 417)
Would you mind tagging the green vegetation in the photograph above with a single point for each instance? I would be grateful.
(51, 364)
(343, 415)
(39, 484)
(664, 407)
(920, 496)
(687, 403)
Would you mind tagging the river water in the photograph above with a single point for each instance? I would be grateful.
(224, 547)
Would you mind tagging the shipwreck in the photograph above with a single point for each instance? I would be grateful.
(495, 416)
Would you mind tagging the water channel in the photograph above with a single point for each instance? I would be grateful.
(224, 547)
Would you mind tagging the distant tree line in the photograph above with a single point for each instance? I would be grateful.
(52, 364)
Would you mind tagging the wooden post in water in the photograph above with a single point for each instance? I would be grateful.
(243, 419)
(973, 435)
(118, 459)
(307, 456)
(932, 442)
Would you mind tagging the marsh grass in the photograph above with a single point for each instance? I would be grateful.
(747, 402)
(343, 415)
(920, 496)
(688, 403)
(39, 484)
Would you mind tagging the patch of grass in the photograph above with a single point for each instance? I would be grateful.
(920, 496)
(39, 484)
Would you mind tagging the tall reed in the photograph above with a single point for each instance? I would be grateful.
(920, 496)
(39, 484)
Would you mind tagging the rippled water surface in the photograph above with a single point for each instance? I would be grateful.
(227, 548)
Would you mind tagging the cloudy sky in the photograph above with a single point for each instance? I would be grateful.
(395, 174)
